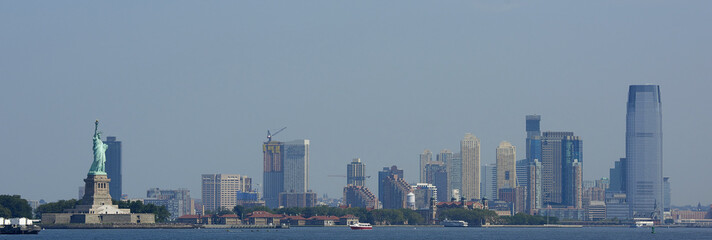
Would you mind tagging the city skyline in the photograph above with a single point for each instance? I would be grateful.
(193, 89)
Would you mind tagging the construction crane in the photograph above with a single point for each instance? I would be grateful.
(269, 135)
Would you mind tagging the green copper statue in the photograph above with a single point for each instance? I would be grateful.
(97, 167)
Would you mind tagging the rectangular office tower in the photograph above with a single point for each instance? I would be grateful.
(273, 175)
(219, 191)
(506, 166)
(296, 166)
(392, 188)
(488, 183)
(571, 174)
(454, 171)
(113, 166)
(470, 153)
(356, 173)
(425, 158)
(533, 140)
(644, 151)
(562, 164)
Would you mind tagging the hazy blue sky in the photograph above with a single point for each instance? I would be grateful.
(191, 87)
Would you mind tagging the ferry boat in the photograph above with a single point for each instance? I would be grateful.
(454, 223)
(643, 222)
(18, 226)
(361, 226)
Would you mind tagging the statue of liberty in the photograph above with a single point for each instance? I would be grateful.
(97, 167)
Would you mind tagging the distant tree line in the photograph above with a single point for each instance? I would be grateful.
(478, 217)
(14, 206)
(161, 212)
(55, 207)
(376, 216)
(384, 216)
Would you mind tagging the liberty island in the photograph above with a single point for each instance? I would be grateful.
(96, 206)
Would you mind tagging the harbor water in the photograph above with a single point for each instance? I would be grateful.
(390, 233)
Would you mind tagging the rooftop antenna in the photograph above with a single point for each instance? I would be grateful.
(269, 135)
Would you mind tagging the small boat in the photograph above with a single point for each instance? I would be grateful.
(361, 226)
(454, 223)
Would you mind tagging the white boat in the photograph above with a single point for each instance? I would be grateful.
(18, 226)
(361, 226)
(454, 223)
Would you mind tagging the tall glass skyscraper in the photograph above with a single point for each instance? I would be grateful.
(454, 169)
(273, 175)
(533, 137)
(644, 150)
(356, 173)
(113, 167)
(296, 166)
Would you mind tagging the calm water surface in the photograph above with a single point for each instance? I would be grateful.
(377, 233)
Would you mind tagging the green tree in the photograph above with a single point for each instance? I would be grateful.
(17, 206)
(4, 212)
(225, 211)
(160, 212)
(55, 207)
(474, 217)
(387, 216)
(239, 210)
(413, 217)
(259, 208)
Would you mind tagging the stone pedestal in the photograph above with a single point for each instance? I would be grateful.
(96, 198)
(96, 190)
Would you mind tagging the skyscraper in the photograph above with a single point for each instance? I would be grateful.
(576, 195)
(445, 193)
(534, 199)
(113, 167)
(551, 171)
(359, 196)
(571, 159)
(382, 175)
(436, 174)
(425, 158)
(506, 166)
(666, 194)
(522, 175)
(220, 190)
(392, 188)
(454, 170)
(177, 202)
(355, 173)
(488, 184)
(296, 166)
(273, 175)
(617, 177)
(470, 151)
(533, 140)
(644, 150)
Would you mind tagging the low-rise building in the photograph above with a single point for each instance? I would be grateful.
(348, 220)
(228, 219)
(263, 218)
(596, 210)
(686, 214)
(564, 213)
(294, 220)
(322, 220)
(190, 219)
